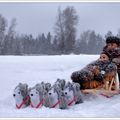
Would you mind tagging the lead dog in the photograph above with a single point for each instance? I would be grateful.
(21, 95)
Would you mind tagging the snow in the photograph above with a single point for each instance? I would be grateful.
(34, 69)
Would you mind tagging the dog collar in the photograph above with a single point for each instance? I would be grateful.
(40, 103)
(74, 98)
(23, 102)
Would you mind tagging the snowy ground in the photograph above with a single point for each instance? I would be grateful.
(34, 69)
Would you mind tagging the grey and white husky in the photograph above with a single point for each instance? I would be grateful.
(37, 94)
(21, 95)
(55, 98)
(72, 94)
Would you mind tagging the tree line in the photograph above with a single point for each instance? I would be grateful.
(64, 40)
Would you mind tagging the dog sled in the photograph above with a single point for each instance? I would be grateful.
(98, 77)
(109, 88)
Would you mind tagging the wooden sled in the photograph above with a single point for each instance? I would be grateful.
(109, 88)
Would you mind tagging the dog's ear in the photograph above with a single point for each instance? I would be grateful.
(22, 87)
(25, 86)
(76, 86)
(57, 89)
(58, 80)
(44, 92)
(69, 84)
(56, 86)
(20, 84)
(43, 84)
(17, 86)
(29, 90)
(63, 82)
(38, 84)
(47, 86)
(38, 87)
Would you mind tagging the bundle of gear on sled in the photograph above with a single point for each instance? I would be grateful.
(102, 73)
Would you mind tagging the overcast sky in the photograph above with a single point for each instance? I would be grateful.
(35, 18)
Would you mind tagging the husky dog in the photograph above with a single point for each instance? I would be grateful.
(60, 83)
(77, 93)
(46, 87)
(55, 98)
(69, 94)
(72, 93)
(21, 95)
(37, 94)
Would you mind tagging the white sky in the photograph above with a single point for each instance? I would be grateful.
(35, 18)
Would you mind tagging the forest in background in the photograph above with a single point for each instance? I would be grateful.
(64, 40)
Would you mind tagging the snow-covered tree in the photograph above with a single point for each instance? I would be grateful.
(89, 43)
(10, 41)
(3, 25)
(65, 29)
(70, 23)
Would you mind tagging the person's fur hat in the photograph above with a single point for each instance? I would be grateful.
(113, 39)
(106, 53)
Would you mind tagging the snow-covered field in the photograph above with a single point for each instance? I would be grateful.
(34, 69)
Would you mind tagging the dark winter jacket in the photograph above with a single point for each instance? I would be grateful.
(114, 56)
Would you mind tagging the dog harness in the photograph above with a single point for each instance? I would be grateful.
(54, 105)
(74, 98)
(40, 103)
(23, 102)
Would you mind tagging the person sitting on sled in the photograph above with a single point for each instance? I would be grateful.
(112, 48)
(93, 74)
